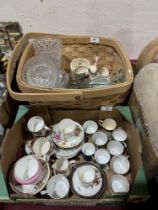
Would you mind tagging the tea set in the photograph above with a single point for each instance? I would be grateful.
(68, 157)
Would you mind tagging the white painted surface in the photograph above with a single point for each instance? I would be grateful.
(133, 22)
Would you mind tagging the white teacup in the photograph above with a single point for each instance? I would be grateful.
(88, 149)
(57, 187)
(119, 134)
(28, 170)
(40, 147)
(120, 164)
(116, 147)
(87, 175)
(90, 127)
(67, 127)
(37, 126)
(108, 124)
(99, 139)
(119, 184)
(63, 166)
(102, 157)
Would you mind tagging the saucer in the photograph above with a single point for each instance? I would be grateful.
(69, 153)
(31, 189)
(59, 140)
(93, 191)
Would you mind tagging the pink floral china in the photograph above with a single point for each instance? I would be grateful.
(33, 188)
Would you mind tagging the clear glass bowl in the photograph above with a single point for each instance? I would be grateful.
(42, 71)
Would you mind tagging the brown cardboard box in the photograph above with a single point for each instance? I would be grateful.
(8, 111)
(150, 159)
(16, 137)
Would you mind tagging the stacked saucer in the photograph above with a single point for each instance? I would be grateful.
(68, 136)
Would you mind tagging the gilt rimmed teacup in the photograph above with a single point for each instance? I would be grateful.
(37, 126)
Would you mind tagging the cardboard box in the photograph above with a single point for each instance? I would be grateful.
(150, 158)
(8, 111)
(16, 137)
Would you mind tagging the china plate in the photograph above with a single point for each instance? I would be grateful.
(30, 189)
(93, 191)
(60, 141)
(69, 153)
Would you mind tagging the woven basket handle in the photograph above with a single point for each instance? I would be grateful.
(148, 54)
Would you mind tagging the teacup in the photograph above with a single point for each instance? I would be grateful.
(40, 147)
(87, 175)
(88, 149)
(120, 164)
(119, 184)
(116, 147)
(43, 147)
(67, 127)
(28, 170)
(99, 139)
(102, 157)
(63, 166)
(37, 126)
(108, 124)
(57, 187)
(119, 134)
(90, 127)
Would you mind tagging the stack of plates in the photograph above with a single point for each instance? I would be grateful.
(68, 149)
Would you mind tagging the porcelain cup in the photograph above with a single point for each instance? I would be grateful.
(67, 128)
(90, 127)
(37, 126)
(88, 150)
(120, 164)
(28, 170)
(119, 134)
(87, 175)
(108, 124)
(57, 187)
(100, 139)
(119, 184)
(102, 157)
(116, 147)
(63, 166)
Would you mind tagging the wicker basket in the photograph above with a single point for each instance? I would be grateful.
(74, 46)
(148, 55)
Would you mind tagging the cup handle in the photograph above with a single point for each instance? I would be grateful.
(101, 122)
(55, 171)
(46, 158)
(127, 156)
(72, 162)
(47, 128)
(124, 144)
(107, 167)
(43, 192)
